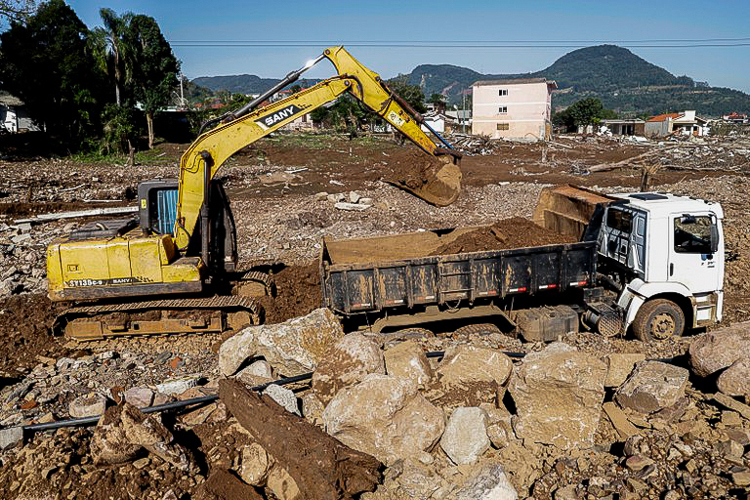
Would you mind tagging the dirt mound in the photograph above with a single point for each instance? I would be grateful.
(508, 233)
(25, 331)
(297, 293)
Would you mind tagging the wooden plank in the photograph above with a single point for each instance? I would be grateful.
(79, 214)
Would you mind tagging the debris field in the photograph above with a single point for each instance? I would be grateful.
(299, 408)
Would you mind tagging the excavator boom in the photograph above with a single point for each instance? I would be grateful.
(206, 155)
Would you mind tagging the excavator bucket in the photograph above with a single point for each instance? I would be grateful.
(437, 181)
(568, 209)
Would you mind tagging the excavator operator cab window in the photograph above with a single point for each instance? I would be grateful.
(158, 206)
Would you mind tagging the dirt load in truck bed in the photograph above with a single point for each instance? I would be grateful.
(509, 233)
(515, 232)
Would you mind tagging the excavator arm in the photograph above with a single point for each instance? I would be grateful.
(203, 159)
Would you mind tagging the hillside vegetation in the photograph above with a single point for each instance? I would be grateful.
(622, 80)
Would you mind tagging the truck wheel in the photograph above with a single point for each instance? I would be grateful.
(659, 319)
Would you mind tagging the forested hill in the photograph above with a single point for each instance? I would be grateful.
(622, 80)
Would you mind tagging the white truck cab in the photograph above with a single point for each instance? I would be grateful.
(668, 253)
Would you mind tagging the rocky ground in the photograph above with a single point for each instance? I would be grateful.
(587, 417)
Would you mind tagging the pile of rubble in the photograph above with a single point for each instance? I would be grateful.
(373, 417)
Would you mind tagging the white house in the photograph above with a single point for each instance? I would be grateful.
(513, 108)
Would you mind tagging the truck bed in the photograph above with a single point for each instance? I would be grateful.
(402, 271)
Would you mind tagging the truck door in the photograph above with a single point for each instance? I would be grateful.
(694, 260)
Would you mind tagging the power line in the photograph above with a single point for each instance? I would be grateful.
(442, 46)
(332, 41)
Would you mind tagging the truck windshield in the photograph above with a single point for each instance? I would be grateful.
(692, 234)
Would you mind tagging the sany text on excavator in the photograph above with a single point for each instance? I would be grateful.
(134, 275)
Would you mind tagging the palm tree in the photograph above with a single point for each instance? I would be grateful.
(114, 47)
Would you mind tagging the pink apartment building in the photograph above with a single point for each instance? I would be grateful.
(515, 108)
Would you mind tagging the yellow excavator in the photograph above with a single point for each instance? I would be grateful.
(171, 270)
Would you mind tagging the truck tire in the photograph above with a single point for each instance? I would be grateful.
(659, 319)
(477, 330)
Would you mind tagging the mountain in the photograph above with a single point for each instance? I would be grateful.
(623, 81)
(244, 84)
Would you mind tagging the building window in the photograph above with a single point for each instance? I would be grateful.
(502, 92)
(502, 109)
(503, 126)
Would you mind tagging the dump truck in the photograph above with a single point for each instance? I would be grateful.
(651, 263)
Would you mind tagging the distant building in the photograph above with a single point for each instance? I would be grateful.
(686, 123)
(462, 117)
(514, 108)
(735, 118)
(631, 126)
(440, 122)
(13, 115)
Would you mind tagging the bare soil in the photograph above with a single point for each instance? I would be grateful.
(505, 234)
(25, 332)
(297, 293)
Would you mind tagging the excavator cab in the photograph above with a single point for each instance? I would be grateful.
(157, 210)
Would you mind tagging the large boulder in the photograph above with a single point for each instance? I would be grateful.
(735, 380)
(408, 361)
(384, 416)
(719, 349)
(465, 437)
(346, 363)
(653, 385)
(292, 348)
(558, 394)
(470, 375)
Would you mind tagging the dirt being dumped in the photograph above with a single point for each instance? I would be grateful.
(25, 323)
(297, 293)
(515, 232)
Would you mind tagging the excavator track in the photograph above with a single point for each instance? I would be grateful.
(159, 317)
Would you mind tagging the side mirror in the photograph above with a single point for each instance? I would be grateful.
(714, 238)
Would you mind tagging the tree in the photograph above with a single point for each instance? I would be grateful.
(412, 94)
(581, 113)
(115, 53)
(16, 10)
(48, 63)
(154, 68)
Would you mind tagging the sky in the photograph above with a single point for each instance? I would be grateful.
(566, 24)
